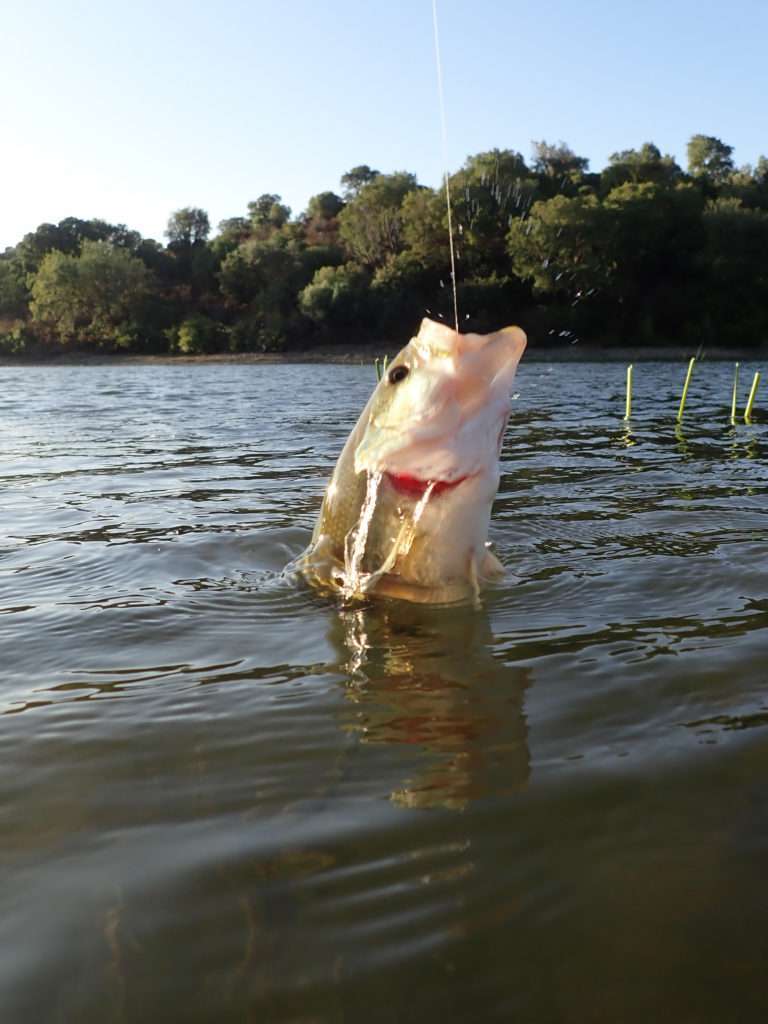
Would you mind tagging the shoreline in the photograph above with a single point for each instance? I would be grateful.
(364, 355)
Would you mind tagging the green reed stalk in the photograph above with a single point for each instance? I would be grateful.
(751, 399)
(735, 392)
(685, 389)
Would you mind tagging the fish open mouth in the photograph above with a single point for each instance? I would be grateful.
(413, 487)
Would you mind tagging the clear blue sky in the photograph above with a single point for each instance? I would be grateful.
(128, 111)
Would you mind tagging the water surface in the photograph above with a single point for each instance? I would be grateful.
(227, 798)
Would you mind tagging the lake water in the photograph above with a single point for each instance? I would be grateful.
(226, 798)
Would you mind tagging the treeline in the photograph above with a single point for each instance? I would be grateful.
(643, 251)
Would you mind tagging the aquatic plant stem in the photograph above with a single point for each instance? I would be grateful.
(751, 399)
(380, 366)
(628, 413)
(688, 376)
(735, 392)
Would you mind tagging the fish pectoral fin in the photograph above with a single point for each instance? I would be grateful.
(490, 568)
(319, 560)
(483, 568)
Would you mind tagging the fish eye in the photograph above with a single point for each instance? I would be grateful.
(398, 373)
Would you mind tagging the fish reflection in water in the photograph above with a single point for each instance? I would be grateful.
(426, 677)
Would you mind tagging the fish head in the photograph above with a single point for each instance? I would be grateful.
(439, 413)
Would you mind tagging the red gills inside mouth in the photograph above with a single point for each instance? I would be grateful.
(413, 487)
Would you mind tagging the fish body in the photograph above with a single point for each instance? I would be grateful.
(407, 509)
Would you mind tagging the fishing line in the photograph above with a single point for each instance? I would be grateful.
(445, 162)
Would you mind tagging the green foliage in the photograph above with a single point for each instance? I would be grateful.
(404, 272)
(425, 227)
(560, 171)
(321, 221)
(638, 252)
(258, 332)
(232, 233)
(354, 180)
(735, 261)
(268, 213)
(193, 262)
(491, 191)
(36, 244)
(557, 160)
(371, 224)
(402, 289)
(15, 339)
(336, 295)
(640, 165)
(95, 297)
(196, 335)
(326, 205)
(487, 194)
(266, 273)
(13, 291)
(68, 236)
(561, 247)
(709, 158)
(486, 303)
(187, 227)
(654, 235)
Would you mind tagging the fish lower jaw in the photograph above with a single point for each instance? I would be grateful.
(415, 487)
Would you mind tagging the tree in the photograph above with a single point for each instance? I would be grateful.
(95, 296)
(655, 234)
(371, 224)
(67, 236)
(321, 220)
(35, 244)
(232, 232)
(13, 293)
(156, 259)
(487, 194)
(354, 180)
(266, 275)
(561, 248)
(638, 165)
(187, 227)
(268, 212)
(336, 295)
(490, 191)
(735, 261)
(195, 335)
(425, 228)
(193, 261)
(325, 205)
(557, 160)
(709, 158)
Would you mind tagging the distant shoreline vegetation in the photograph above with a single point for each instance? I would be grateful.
(640, 253)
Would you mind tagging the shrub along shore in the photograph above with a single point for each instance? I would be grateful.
(592, 265)
(347, 355)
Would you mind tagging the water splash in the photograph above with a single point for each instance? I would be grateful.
(354, 547)
(356, 583)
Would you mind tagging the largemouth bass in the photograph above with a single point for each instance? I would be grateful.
(407, 509)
